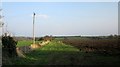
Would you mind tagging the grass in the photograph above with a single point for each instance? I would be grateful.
(58, 46)
(54, 52)
(58, 53)
(25, 43)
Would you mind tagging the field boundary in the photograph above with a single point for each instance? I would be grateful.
(26, 49)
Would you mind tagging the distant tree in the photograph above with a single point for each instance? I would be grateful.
(110, 36)
(40, 39)
(118, 36)
(47, 38)
(115, 36)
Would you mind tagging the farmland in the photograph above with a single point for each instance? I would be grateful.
(71, 51)
(108, 46)
(25, 43)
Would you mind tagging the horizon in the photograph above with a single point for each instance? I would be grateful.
(56, 18)
(70, 36)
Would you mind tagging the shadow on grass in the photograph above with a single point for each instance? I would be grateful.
(44, 57)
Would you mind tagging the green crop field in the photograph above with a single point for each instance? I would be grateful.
(25, 43)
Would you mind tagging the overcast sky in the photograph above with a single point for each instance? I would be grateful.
(61, 18)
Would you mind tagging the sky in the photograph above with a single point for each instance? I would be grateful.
(60, 0)
(61, 18)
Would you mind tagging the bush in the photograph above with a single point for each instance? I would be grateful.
(9, 46)
(45, 38)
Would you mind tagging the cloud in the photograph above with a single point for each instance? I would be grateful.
(44, 16)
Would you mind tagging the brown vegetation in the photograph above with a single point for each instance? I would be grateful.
(46, 38)
(107, 46)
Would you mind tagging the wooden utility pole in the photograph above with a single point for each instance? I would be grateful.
(33, 28)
